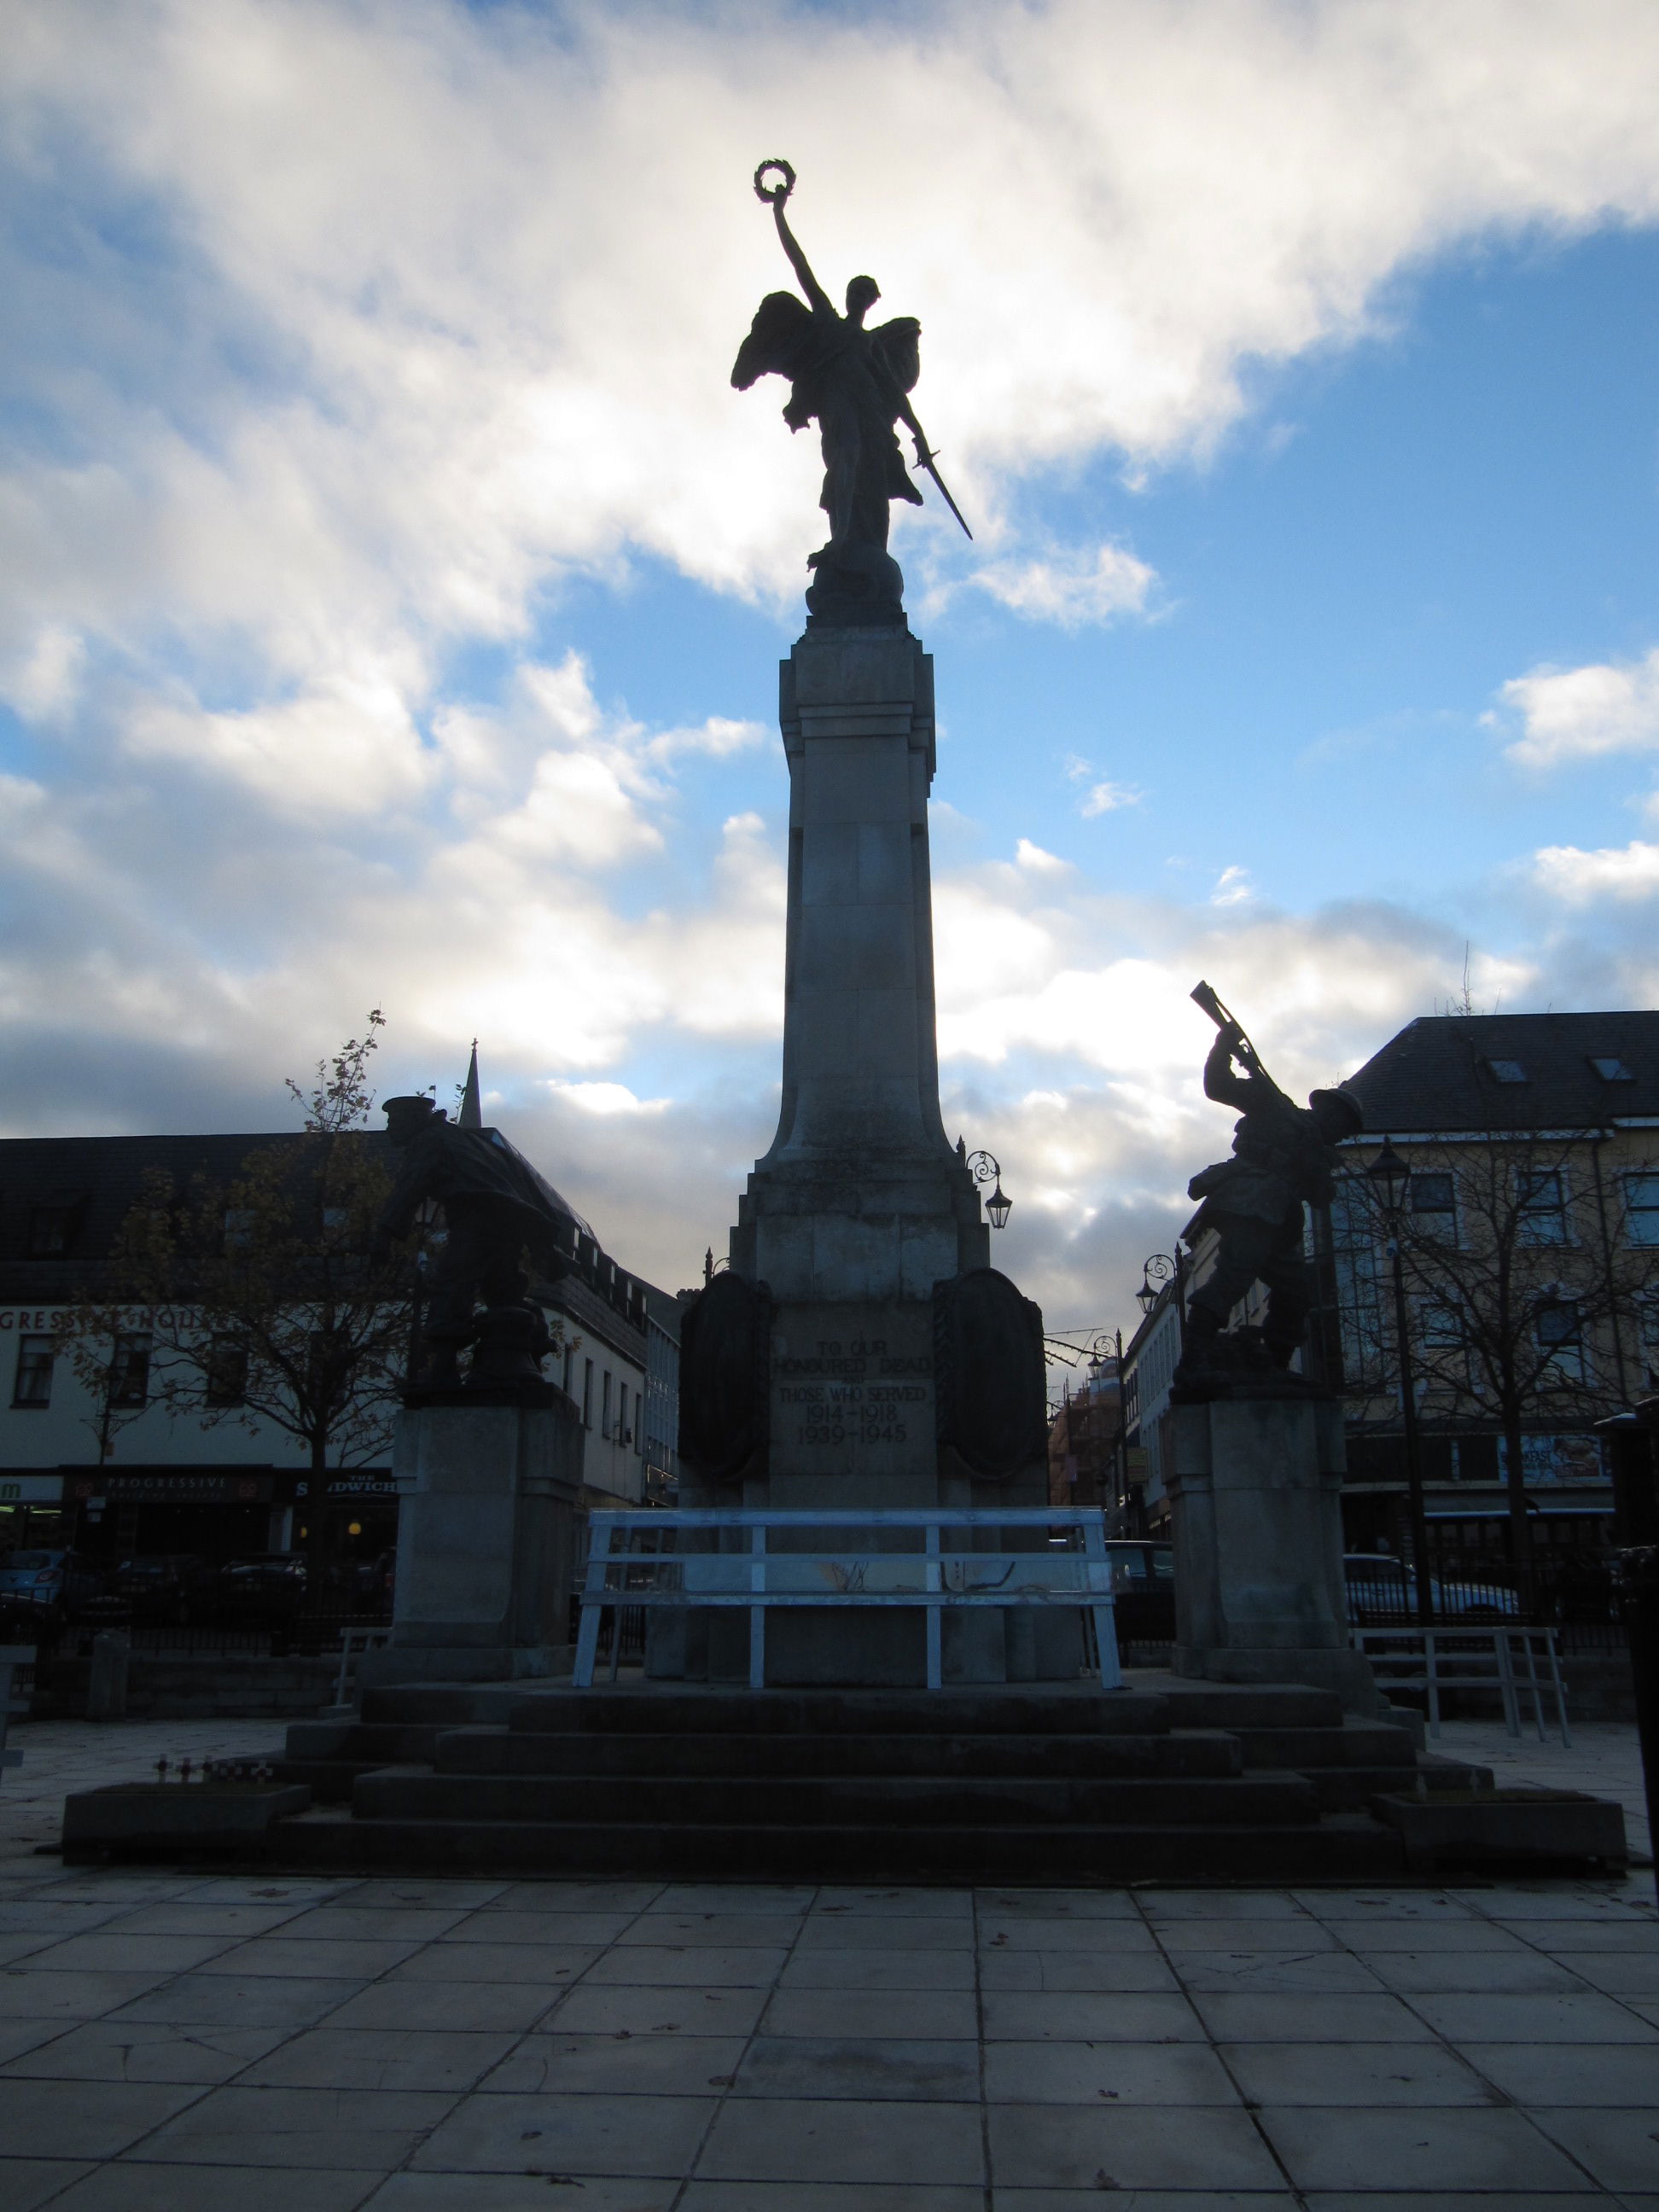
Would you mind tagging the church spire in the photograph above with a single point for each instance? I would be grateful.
(470, 1115)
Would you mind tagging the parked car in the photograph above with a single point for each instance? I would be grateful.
(47, 1583)
(262, 1592)
(1383, 1593)
(174, 1588)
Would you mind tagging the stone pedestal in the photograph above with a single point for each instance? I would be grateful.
(809, 1375)
(486, 1536)
(1254, 1481)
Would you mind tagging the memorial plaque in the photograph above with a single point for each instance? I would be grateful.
(853, 1390)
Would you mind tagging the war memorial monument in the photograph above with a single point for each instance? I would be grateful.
(862, 1438)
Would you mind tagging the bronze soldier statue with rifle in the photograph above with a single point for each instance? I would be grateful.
(855, 383)
(1284, 1157)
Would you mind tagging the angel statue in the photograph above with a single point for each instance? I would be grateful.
(856, 383)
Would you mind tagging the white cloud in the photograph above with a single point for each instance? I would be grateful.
(1233, 887)
(1035, 861)
(1071, 589)
(1107, 797)
(1574, 714)
(1623, 872)
(607, 1098)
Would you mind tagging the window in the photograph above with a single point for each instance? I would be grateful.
(1542, 1203)
(337, 1227)
(129, 1374)
(238, 1228)
(1432, 1194)
(1507, 1070)
(35, 1355)
(1642, 1209)
(225, 1370)
(604, 1405)
(1557, 1327)
(569, 1359)
(1611, 1070)
(588, 1394)
(51, 1230)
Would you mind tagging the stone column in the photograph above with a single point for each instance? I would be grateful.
(491, 1484)
(861, 1209)
(1255, 1478)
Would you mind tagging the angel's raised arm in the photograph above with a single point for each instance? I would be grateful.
(821, 303)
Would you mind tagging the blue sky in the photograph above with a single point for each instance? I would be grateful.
(395, 586)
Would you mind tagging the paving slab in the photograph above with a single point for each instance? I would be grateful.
(605, 2065)
(1101, 1971)
(830, 2139)
(127, 2186)
(1071, 2147)
(34, 1995)
(547, 1964)
(145, 2050)
(1028, 1932)
(440, 2006)
(220, 2001)
(1088, 2017)
(1585, 2016)
(522, 2192)
(26, 2183)
(1580, 2073)
(1465, 2149)
(878, 1970)
(1618, 2149)
(1412, 2074)
(327, 2130)
(924, 2014)
(644, 2009)
(654, 2137)
(1278, 2017)
(873, 2068)
(382, 2059)
(711, 1931)
(61, 2119)
(1057, 2073)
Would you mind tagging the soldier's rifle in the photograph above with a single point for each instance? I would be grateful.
(1225, 1019)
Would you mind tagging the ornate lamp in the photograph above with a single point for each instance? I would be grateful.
(985, 1168)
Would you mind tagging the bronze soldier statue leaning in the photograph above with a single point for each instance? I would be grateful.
(496, 1209)
(855, 383)
(1284, 1157)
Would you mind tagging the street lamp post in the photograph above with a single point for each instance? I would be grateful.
(984, 1167)
(1389, 1176)
(1159, 1268)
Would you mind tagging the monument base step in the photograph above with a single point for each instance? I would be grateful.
(1351, 1848)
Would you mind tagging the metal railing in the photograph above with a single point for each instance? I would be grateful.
(1505, 1659)
(930, 1578)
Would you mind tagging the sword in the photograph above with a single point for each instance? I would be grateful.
(925, 459)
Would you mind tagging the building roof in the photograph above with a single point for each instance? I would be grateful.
(95, 1181)
(1465, 1071)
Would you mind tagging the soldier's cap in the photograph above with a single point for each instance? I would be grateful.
(1344, 1097)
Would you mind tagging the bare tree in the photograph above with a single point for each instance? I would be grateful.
(1525, 1287)
(266, 1298)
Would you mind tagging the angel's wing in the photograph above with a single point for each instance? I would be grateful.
(898, 344)
(779, 343)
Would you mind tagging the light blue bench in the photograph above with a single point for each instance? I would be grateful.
(756, 1579)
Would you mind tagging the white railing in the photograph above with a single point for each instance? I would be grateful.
(930, 1578)
(14, 1658)
(1501, 1658)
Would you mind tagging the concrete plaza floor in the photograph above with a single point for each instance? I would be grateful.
(170, 2041)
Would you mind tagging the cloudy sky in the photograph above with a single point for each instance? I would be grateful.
(394, 586)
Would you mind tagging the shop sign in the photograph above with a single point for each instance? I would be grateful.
(358, 1482)
(1555, 1459)
(154, 1489)
(52, 1321)
(31, 1489)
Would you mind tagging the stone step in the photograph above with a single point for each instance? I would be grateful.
(1344, 1850)
(1356, 1743)
(1236, 1705)
(512, 1752)
(676, 1803)
(1351, 1788)
(445, 1704)
(655, 1710)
